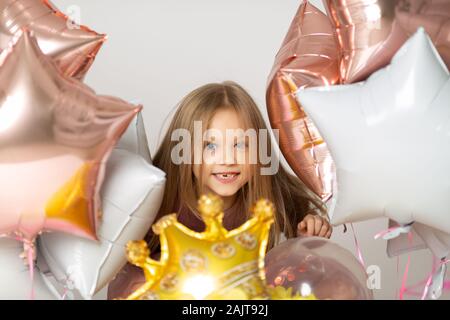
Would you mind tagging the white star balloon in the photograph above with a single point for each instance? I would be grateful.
(131, 196)
(390, 139)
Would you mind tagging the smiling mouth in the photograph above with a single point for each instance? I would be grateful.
(226, 176)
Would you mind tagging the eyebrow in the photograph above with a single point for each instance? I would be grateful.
(235, 139)
(210, 139)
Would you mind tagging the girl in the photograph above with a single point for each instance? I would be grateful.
(230, 126)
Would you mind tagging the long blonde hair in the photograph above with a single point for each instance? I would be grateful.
(290, 196)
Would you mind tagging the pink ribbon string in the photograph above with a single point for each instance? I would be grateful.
(404, 279)
(358, 248)
(430, 278)
(66, 288)
(405, 274)
(401, 229)
(64, 294)
(427, 286)
(384, 232)
(29, 250)
(446, 285)
(411, 289)
(428, 281)
(398, 267)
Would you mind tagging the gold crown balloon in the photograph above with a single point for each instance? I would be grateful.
(213, 264)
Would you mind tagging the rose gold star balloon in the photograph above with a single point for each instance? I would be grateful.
(72, 47)
(308, 57)
(55, 137)
(371, 31)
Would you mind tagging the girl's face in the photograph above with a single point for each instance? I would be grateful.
(225, 167)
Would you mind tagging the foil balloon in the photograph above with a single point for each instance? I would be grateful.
(319, 267)
(213, 264)
(135, 139)
(434, 16)
(72, 47)
(308, 57)
(55, 137)
(390, 139)
(88, 266)
(371, 31)
(81, 267)
(15, 278)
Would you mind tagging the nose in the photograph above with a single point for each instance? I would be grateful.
(230, 156)
(225, 156)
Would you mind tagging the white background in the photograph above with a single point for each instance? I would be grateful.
(159, 50)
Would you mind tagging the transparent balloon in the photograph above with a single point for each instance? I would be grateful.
(319, 267)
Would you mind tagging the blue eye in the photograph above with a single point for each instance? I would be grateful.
(211, 146)
(240, 145)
